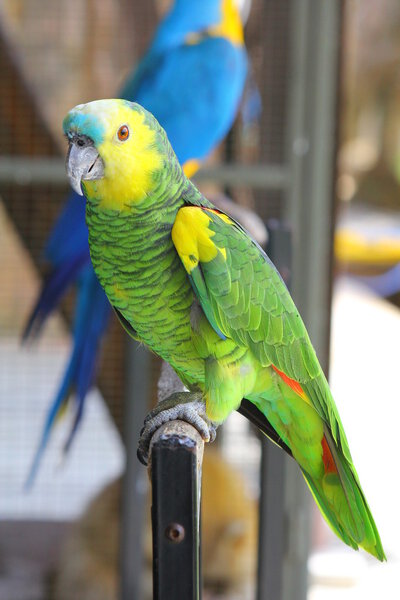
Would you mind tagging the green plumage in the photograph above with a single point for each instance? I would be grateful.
(196, 289)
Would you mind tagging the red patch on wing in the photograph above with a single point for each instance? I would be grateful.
(292, 383)
(327, 457)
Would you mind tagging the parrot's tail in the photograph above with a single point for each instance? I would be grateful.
(342, 502)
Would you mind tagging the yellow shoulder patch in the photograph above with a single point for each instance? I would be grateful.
(191, 236)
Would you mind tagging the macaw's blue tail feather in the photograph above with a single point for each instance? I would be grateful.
(251, 105)
(95, 313)
(92, 315)
(53, 290)
(54, 410)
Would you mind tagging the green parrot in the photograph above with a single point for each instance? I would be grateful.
(191, 284)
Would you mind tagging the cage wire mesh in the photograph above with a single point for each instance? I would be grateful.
(53, 55)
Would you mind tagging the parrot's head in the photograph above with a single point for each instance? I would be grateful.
(117, 151)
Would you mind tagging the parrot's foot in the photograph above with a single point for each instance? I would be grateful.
(184, 406)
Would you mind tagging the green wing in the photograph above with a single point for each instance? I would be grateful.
(245, 299)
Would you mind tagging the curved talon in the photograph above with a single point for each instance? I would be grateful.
(185, 406)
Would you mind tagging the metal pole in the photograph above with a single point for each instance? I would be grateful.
(272, 527)
(176, 453)
(272, 530)
(135, 485)
(25, 170)
(311, 133)
(315, 43)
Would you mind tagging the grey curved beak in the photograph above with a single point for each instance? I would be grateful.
(83, 164)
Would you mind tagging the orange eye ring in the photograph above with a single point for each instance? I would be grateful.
(123, 133)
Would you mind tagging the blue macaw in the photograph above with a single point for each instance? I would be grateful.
(192, 79)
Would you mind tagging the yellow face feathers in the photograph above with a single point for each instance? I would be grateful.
(129, 163)
(127, 143)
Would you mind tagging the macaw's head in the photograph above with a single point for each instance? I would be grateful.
(117, 152)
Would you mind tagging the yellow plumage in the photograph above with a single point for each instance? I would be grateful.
(137, 159)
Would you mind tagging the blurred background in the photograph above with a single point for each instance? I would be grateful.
(322, 162)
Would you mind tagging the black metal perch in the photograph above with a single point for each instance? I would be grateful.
(176, 454)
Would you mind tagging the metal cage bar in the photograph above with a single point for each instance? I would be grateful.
(25, 170)
(272, 528)
(311, 144)
(134, 485)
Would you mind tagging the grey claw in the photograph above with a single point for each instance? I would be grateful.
(185, 406)
(143, 455)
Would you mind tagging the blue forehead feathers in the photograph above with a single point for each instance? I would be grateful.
(84, 124)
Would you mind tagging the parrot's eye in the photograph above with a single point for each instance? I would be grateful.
(123, 133)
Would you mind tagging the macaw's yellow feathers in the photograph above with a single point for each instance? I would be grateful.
(230, 26)
(191, 167)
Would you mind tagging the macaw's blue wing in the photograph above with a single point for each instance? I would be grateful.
(92, 316)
